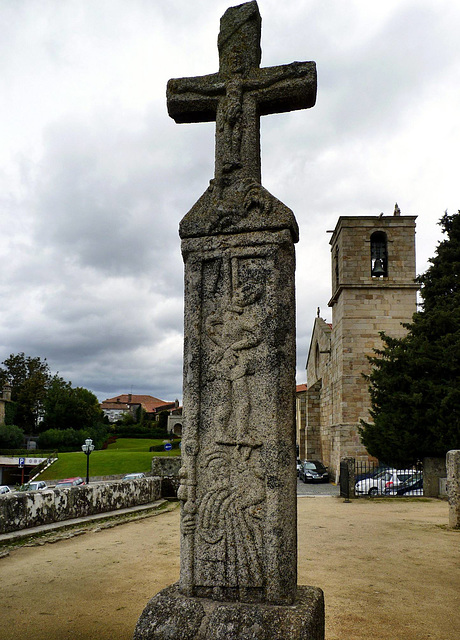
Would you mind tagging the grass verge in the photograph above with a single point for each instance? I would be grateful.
(127, 455)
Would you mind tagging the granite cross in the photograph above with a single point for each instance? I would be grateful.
(238, 573)
(240, 93)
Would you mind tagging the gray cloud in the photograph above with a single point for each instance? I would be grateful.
(94, 176)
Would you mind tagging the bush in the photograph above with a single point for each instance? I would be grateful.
(11, 436)
(139, 431)
(161, 447)
(71, 439)
(110, 440)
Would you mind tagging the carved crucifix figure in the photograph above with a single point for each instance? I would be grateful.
(240, 93)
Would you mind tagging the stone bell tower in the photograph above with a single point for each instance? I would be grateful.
(373, 290)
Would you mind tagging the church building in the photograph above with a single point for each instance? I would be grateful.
(373, 290)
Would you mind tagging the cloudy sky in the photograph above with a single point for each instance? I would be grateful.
(95, 177)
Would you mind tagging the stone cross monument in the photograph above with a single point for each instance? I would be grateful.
(238, 478)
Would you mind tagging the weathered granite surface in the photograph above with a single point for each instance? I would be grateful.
(238, 485)
(171, 616)
(453, 487)
(238, 576)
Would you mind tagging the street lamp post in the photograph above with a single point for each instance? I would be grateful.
(87, 448)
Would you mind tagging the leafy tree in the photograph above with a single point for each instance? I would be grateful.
(29, 378)
(66, 407)
(10, 413)
(415, 380)
(11, 437)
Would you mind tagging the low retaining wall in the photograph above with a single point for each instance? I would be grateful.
(167, 467)
(34, 508)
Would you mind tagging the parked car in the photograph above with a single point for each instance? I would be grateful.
(4, 489)
(372, 473)
(387, 479)
(70, 482)
(133, 476)
(36, 485)
(412, 487)
(313, 471)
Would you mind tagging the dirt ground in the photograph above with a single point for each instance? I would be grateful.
(389, 571)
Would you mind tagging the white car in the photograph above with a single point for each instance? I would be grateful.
(133, 476)
(4, 489)
(37, 485)
(382, 482)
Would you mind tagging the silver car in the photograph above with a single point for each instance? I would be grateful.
(377, 485)
(4, 489)
(37, 485)
(133, 476)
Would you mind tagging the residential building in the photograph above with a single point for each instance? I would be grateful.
(115, 408)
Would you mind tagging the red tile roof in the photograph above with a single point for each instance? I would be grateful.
(301, 387)
(149, 403)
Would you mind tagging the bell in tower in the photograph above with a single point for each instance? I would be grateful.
(379, 258)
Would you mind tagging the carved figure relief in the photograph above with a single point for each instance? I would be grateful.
(231, 126)
(234, 204)
(235, 331)
(230, 518)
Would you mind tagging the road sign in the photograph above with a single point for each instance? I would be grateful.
(168, 446)
(22, 462)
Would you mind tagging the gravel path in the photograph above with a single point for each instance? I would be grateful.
(389, 570)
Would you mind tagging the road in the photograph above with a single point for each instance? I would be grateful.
(317, 489)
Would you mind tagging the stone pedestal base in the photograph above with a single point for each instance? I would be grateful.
(172, 616)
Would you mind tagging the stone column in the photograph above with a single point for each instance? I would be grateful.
(239, 474)
(453, 487)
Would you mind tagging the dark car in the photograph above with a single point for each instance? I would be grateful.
(371, 474)
(412, 487)
(313, 471)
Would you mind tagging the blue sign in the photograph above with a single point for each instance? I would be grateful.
(168, 446)
(22, 462)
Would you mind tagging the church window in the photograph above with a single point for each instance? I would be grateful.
(379, 255)
(317, 356)
(336, 265)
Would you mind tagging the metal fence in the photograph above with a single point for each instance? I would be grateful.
(373, 479)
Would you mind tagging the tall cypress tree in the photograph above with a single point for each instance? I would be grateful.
(415, 381)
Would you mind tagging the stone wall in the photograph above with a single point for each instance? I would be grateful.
(433, 470)
(301, 420)
(167, 468)
(27, 509)
(453, 487)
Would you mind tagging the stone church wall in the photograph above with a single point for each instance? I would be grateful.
(362, 306)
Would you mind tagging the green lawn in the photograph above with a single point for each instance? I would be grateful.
(127, 455)
(134, 444)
